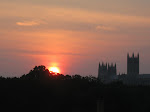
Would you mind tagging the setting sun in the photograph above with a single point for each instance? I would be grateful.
(54, 69)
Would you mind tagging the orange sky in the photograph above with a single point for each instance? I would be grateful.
(74, 35)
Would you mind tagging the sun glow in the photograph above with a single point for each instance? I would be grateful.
(54, 69)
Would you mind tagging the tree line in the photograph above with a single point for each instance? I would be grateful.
(41, 90)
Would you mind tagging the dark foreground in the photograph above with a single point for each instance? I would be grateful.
(71, 96)
(39, 90)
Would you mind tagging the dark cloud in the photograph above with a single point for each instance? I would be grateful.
(34, 52)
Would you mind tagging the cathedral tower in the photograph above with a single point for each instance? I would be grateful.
(132, 64)
(106, 72)
(112, 70)
(102, 71)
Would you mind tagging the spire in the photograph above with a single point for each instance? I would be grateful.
(128, 55)
(133, 55)
(138, 55)
(99, 70)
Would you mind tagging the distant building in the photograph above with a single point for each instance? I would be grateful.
(108, 73)
(132, 65)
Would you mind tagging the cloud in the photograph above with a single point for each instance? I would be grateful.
(37, 52)
(106, 28)
(46, 52)
(30, 23)
(67, 18)
(54, 13)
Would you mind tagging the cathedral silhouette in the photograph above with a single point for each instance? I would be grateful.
(133, 65)
(108, 73)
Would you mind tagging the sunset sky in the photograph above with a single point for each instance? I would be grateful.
(74, 35)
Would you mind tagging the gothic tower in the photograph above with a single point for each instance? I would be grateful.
(132, 65)
(102, 71)
(112, 70)
(106, 72)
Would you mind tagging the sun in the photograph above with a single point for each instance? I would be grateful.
(54, 69)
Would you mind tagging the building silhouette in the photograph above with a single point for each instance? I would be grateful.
(108, 73)
(112, 71)
(133, 65)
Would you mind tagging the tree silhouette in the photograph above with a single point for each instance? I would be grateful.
(38, 72)
(67, 93)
